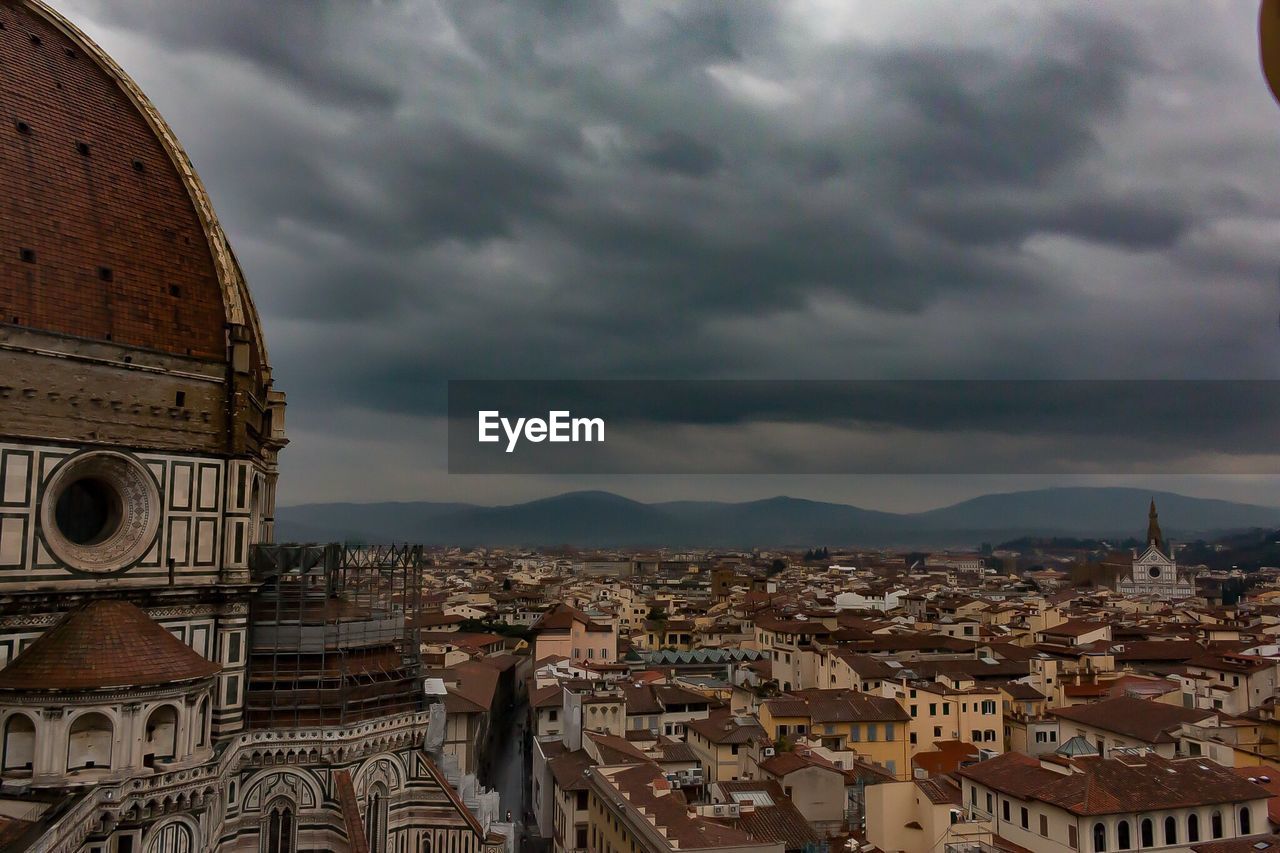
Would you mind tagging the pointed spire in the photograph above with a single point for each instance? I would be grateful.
(1154, 536)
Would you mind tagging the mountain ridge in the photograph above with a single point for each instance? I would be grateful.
(595, 518)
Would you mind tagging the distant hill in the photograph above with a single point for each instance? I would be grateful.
(1248, 551)
(603, 519)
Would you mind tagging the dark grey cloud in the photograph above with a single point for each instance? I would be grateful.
(682, 154)
(1133, 222)
(428, 190)
(975, 118)
(301, 41)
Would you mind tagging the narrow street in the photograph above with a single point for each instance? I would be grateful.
(510, 768)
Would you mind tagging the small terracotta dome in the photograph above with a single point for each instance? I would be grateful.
(105, 645)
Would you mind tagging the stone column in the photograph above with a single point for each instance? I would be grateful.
(50, 757)
(129, 738)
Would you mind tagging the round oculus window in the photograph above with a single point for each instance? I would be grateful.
(100, 512)
(1154, 571)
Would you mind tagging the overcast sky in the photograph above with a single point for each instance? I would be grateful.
(829, 189)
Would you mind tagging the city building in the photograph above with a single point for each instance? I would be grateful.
(1128, 802)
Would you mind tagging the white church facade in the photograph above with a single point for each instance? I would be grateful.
(1154, 571)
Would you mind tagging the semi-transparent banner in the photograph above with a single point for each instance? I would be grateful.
(865, 427)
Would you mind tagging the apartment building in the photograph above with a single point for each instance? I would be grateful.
(951, 709)
(1054, 804)
(875, 728)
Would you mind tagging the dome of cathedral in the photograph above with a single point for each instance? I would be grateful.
(125, 320)
(106, 233)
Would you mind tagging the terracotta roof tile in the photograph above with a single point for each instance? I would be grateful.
(1243, 844)
(781, 821)
(644, 790)
(102, 645)
(1143, 719)
(1115, 785)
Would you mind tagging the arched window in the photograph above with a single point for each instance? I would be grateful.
(375, 818)
(1123, 842)
(1246, 821)
(1193, 828)
(162, 735)
(1171, 830)
(1215, 824)
(1099, 838)
(19, 745)
(1147, 831)
(89, 743)
(279, 830)
(172, 838)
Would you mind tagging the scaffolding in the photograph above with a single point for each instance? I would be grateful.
(330, 642)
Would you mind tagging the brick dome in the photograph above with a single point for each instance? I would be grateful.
(106, 232)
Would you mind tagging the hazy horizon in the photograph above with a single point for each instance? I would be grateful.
(896, 506)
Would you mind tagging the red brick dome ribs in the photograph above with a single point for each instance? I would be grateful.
(104, 645)
(113, 264)
(105, 231)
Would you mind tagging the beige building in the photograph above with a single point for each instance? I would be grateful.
(633, 808)
(569, 797)
(789, 644)
(664, 708)
(1231, 683)
(1075, 632)
(1027, 726)
(1131, 802)
(840, 667)
(919, 816)
(875, 728)
(1128, 723)
(816, 786)
(951, 709)
(566, 632)
(728, 748)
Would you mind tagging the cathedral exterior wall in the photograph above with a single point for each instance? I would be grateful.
(207, 512)
(94, 392)
(225, 805)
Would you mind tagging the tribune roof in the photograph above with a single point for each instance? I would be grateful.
(103, 645)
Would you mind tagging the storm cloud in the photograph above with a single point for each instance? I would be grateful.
(422, 191)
